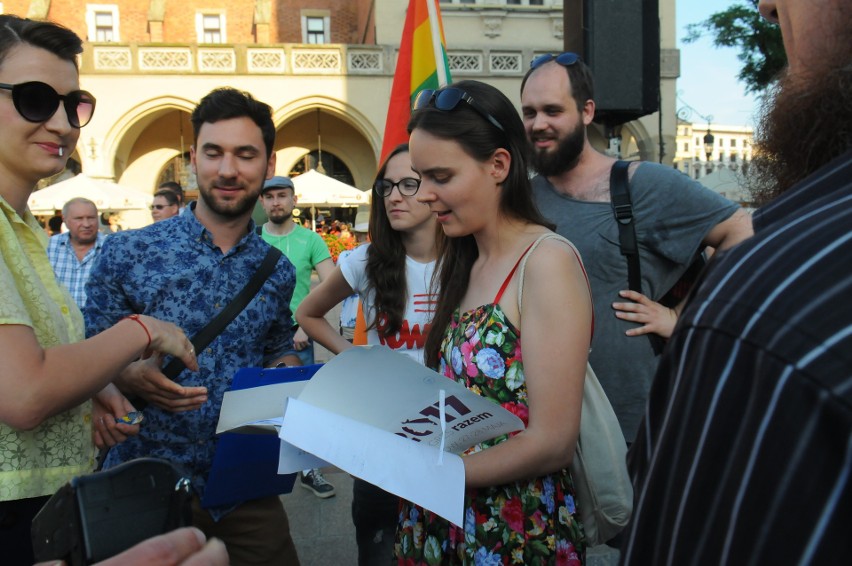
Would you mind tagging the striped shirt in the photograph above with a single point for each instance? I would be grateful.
(70, 271)
(745, 452)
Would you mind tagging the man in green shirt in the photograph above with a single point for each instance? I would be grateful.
(307, 251)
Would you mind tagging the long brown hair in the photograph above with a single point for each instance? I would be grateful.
(479, 139)
(386, 261)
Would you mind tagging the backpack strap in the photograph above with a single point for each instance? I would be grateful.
(622, 208)
(528, 253)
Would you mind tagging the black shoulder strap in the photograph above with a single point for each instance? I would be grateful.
(230, 312)
(622, 207)
(259, 230)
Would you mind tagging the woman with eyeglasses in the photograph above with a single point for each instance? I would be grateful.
(392, 276)
(165, 205)
(513, 324)
(49, 372)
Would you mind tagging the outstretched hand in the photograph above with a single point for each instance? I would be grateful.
(654, 317)
(145, 379)
(166, 338)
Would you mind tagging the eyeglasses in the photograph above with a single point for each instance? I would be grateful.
(447, 99)
(407, 186)
(565, 59)
(38, 102)
(161, 206)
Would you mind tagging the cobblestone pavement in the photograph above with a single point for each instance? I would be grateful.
(322, 528)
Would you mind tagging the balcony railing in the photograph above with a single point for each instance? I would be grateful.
(283, 59)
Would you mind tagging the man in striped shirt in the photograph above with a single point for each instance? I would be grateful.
(73, 253)
(744, 455)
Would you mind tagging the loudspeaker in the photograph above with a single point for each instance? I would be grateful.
(621, 44)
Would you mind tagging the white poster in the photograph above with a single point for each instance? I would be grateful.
(386, 419)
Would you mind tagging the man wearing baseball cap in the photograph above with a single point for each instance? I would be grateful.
(307, 251)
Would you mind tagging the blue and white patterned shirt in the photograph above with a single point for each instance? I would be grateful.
(172, 270)
(69, 270)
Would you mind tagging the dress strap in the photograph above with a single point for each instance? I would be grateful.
(511, 273)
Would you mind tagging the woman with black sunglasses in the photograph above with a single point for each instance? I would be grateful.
(513, 324)
(49, 372)
(393, 277)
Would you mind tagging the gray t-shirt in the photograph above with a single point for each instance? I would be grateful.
(672, 215)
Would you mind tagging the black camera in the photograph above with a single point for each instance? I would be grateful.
(96, 516)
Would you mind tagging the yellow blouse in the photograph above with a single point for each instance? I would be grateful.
(39, 461)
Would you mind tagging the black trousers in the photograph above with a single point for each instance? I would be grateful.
(375, 513)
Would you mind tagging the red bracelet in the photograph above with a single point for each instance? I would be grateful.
(135, 317)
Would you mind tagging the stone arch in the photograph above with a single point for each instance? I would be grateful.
(135, 152)
(637, 142)
(346, 132)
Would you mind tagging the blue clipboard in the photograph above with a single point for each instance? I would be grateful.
(245, 466)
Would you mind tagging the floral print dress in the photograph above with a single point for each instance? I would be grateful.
(531, 522)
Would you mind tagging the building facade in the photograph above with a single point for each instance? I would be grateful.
(731, 148)
(325, 66)
(724, 169)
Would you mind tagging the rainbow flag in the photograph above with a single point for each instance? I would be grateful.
(422, 63)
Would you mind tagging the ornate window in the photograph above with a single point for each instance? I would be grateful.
(210, 27)
(102, 22)
(316, 27)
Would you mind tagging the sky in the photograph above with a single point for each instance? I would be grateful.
(708, 75)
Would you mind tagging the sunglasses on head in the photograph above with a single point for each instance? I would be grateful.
(447, 99)
(38, 102)
(407, 186)
(565, 59)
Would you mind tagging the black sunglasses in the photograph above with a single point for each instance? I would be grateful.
(161, 206)
(407, 186)
(447, 99)
(565, 59)
(38, 102)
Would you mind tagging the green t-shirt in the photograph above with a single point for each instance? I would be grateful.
(305, 249)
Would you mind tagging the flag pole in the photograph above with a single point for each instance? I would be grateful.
(437, 48)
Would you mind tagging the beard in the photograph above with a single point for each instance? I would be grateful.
(279, 216)
(807, 122)
(229, 208)
(564, 158)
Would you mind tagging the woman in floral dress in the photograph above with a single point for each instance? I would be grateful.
(469, 147)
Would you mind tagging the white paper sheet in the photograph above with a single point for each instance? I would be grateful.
(404, 468)
(377, 386)
(255, 406)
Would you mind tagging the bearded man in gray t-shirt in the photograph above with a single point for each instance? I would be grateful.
(673, 217)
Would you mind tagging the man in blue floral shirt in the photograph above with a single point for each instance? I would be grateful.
(185, 270)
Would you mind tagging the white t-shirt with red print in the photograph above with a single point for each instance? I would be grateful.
(419, 309)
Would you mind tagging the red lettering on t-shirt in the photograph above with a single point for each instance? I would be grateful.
(411, 338)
